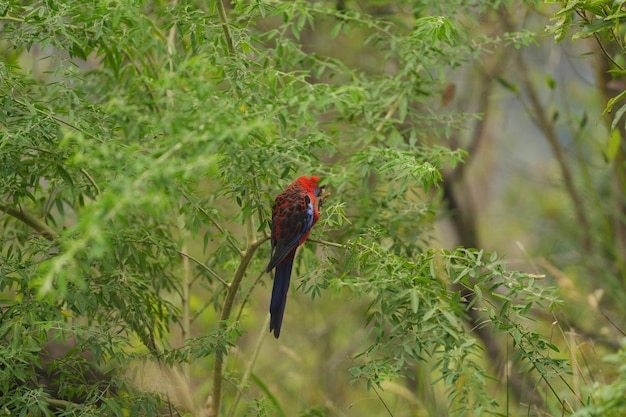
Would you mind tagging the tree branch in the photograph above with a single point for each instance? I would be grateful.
(540, 118)
(221, 10)
(91, 180)
(248, 371)
(59, 404)
(30, 220)
(246, 257)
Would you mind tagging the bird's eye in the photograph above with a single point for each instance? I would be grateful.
(318, 190)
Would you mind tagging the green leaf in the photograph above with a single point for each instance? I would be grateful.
(613, 146)
(336, 29)
(263, 387)
(611, 103)
(618, 116)
(65, 175)
(415, 300)
(508, 85)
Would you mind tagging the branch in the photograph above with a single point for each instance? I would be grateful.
(229, 39)
(206, 268)
(233, 245)
(30, 220)
(171, 38)
(250, 229)
(540, 118)
(91, 180)
(480, 132)
(327, 243)
(58, 119)
(186, 285)
(391, 110)
(248, 371)
(12, 19)
(596, 35)
(59, 404)
(246, 257)
(247, 297)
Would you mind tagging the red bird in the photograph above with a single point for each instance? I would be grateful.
(295, 211)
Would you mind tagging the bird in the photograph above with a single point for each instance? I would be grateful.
(294, 213)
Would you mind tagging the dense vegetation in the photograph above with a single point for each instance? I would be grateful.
(142, 144)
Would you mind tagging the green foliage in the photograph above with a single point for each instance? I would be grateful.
(603, 23)
(608, 399)
(414, 317)
(602, 20)
(138, 170)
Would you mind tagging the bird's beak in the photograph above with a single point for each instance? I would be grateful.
(323, 196)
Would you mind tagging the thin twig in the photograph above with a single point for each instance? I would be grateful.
(171, 38)
(233, 245)
(203, 266)
(390, 112)
(250, 229)
(247, 297)
(327, 243)
(12, 19)
(613, 323)
(91, 180)
(381, 400)
(599, 41)
(248, 371)
(63, 122)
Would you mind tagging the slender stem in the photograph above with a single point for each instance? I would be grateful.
(598, 39)
(327, 243)
(59, 120)
(12, 19)
(391, 111)
(187, 278)
(142, 76)
(381, 399)
(248, 371)
(59, 404)
(606, 53)
(221, 10)
(206, 268)
(91, 180)
(233, 245)
(250, 229)
(247, 297)
(246, 257)
(187, 281)
(181, 388)
(171, 38)
(257, 194)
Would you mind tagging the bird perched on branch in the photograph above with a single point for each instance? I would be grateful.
(294, 213)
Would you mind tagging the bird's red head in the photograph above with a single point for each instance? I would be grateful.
(310, 183)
